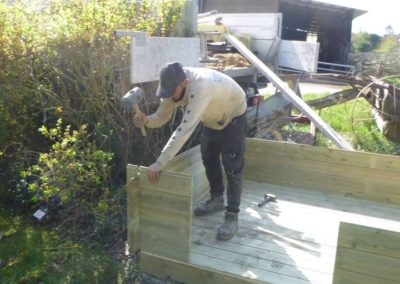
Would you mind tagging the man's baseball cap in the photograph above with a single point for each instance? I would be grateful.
(170, 77)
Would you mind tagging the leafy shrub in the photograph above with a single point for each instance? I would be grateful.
(388, 43)
(62, 60)
(74, 170)
(364, 42)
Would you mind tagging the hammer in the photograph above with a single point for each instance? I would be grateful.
(132, 98)
(268, 197)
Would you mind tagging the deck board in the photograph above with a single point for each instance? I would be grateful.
(291, 241)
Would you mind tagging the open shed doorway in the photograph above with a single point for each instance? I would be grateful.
(330, 25)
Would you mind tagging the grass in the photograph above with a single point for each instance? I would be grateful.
(32, 253)
(354, 121)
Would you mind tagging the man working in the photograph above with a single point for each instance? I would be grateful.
(217, 101)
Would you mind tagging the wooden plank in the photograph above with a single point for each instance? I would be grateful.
(253, 245)
(325, 167)
(368, 264)
(271, 232)
(131, 172)
(299, 151)
(184, 160)
(325, 176)
(323, 200)
(372, 240)
(243, 270)
(284, 211)
(169, 182)
(367, 254)
(164, 201)
(343, 276)
(188, 273)
(165, 214)
(268, 266)
(133, 214)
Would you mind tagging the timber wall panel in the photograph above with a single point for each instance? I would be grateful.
(367, 255)
(362, 175)
(190, 163)
(159, 215)
(165, 214)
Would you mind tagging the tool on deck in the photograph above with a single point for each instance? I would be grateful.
(132, 98)
(268, 197)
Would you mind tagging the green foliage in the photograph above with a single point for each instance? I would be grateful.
(388, 43)
(355, 122)
(364, 42)
(61, 59)
(74, 170)
(32, 253)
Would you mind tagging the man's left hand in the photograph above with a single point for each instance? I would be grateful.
(153, 172)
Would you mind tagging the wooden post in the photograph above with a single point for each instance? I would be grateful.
(133, 207)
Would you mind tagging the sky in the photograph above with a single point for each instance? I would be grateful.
(381, 13)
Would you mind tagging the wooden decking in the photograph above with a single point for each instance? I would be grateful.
(291, 241)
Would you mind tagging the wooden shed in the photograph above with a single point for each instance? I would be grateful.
(336, 219)
(330, 24)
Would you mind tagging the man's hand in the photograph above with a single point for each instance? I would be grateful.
(153, 172)
(140, 119)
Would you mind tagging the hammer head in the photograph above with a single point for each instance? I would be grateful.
(132, 97)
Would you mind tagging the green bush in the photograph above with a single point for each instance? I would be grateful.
(388, 43)
(74, 170)
(364, 42)
(62, 60)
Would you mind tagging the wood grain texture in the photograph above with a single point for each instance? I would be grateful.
(362, 175)
(367, 255)
(165, 214)
(188, 273)
(133, 208)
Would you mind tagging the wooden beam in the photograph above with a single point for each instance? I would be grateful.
(289, 94)
(188, 273)
(133, 207)
(333, 99)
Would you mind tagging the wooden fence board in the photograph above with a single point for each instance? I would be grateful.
(307, 152)
(165, 214)
(367, 254)
(133, 208)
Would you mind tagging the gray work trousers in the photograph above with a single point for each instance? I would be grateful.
(228, 144)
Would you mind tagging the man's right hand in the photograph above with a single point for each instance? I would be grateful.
(140, 119)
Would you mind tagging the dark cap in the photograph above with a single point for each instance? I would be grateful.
(170, 77)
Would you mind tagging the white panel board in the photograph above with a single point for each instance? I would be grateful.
(258, 25)
(264, 29)
(299, 55)
(150, 55)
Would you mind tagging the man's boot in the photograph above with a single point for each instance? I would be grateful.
(229, 228)
(214, 204)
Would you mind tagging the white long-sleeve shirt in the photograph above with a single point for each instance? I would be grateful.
(210, 97)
